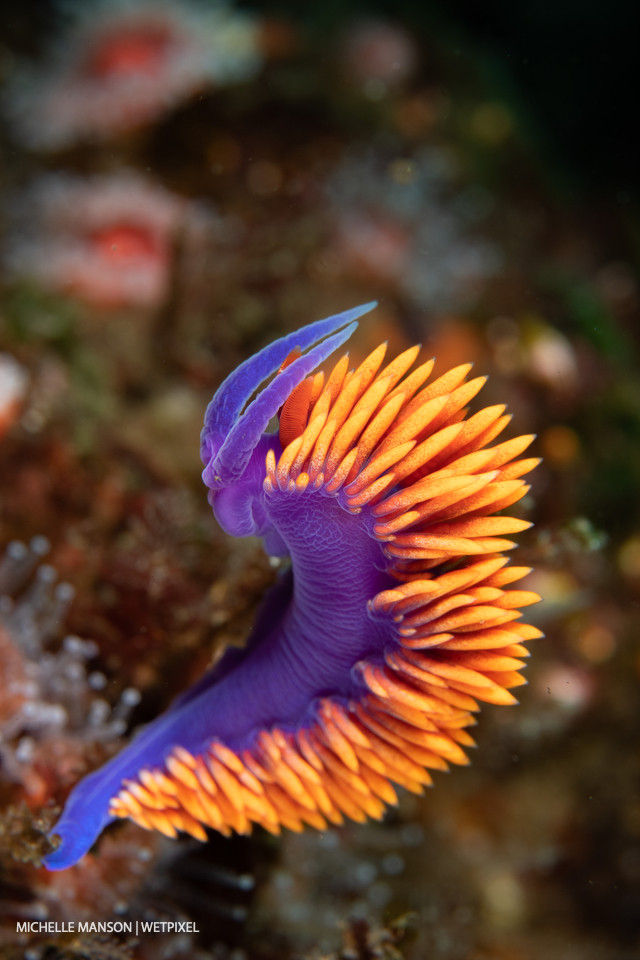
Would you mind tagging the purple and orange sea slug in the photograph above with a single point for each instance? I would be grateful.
(395, 617)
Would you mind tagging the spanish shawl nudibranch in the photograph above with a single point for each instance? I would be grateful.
(369, 656)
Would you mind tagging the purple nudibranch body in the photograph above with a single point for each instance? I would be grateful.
(367, 658)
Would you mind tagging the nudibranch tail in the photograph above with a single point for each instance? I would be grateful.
(397, 617)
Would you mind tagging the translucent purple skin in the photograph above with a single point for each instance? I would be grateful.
(313, 627)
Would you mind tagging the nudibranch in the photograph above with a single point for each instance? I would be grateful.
(393, 619)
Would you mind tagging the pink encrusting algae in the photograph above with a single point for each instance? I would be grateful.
(411, 221)
(13, 388)
(379, 56)
(106, 239)
(121, 65)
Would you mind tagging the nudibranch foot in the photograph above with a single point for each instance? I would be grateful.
(396, 619)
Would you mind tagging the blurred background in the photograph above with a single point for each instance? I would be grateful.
(181, 181)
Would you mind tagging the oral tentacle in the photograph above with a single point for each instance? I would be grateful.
(233, 395)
